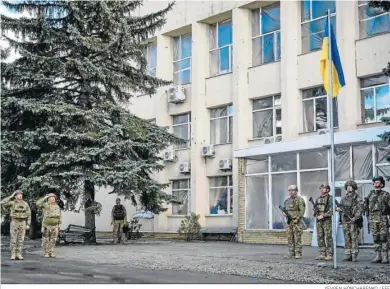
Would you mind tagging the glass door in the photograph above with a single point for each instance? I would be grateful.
(363, 190)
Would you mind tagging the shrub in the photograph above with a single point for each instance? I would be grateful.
(190, 227)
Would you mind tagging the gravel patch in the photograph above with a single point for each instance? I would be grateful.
(226, 259)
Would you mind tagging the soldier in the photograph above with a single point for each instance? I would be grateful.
(295, 207)
(118, 217)
(324, 224)
(20, 222)
(352, 209)
(379, 211)
(50, 223)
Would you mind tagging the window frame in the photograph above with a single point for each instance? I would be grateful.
(229, 118)
(273, 108)
(369, 18)
(188, 190)
(217, 48)
(180, 59)
(275, 32)
(303, 22)
(188, 123)
(374, 87)
(151, 70)
(229, 189)
(314, 99)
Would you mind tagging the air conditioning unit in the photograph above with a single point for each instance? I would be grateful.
(225, 164)
(208, 151)
(323, 131)
(169, 156)
(176, 94)
(185, 168)
(269, 140)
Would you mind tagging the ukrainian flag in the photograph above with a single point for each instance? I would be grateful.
(337, 71)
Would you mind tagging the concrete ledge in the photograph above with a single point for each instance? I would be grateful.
(270, 237)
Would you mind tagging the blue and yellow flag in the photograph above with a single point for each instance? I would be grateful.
(337, 71)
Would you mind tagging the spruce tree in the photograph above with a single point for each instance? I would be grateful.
(63, 123)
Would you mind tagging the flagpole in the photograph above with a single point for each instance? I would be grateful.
(331, 139)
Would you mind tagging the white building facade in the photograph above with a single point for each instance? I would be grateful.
(248, 98)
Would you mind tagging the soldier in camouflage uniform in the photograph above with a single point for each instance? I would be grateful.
(379, 211)
(324, 224)
(20, 222)
(118, 217)
(50, 223)
(295, 206)
(352, 209)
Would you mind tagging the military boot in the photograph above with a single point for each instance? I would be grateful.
(328, 258)
(378, 257)
(13, 255)
(385, 257)
(347, 257)
(19, 256)
(354, 257)
(320, 257)
(46, 255)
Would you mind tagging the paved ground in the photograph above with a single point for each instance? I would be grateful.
(196, 262)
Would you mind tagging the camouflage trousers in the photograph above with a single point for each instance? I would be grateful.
(324, 236)
(351, 238)
(50, 235)
(294, 238)
(380, 234)
(18, 231)
(118, 231)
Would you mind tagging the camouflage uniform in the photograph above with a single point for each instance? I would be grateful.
(20, 221)
(295, 206)
(118, 222)
(379, 211)
(50, 225)
(352, 210)
(324, 227)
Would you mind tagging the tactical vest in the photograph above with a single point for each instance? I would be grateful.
(51, 211)
(119, 212)
(323, 204)
(378, 203)
(19, 210)
(292, 206)
(351, 206)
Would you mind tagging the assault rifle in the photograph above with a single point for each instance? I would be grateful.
(367, 212)
(315, 209)
(283, 209)
(358, 222)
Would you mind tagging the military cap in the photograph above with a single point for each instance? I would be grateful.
(52, 195)
(293, 188)
(18, 192)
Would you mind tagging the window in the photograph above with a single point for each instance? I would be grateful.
(313, 22)
(182, 129)
(151, 57)
(375, 93)
(221, 47)
(221, 123)
(221, 195)
(182, 59)
(267, 117)
(266, 34)
(181, 192)
(315, 109)
(372, 20)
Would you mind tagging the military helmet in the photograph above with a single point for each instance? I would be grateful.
(325, 186)
(18, 192)
(293, 188)
(379, 178)
(350, 183)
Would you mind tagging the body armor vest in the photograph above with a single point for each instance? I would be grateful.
(19, 210)
(119, 212)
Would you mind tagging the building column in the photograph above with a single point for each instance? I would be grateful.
(290, 48)
(165, 71)
(347, 31)
(200, 120)
(241, 104)
(241, 199)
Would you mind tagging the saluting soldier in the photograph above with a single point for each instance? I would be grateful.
(20, 222)
(50, 223)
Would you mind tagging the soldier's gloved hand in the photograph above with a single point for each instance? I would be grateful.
(353, 220)
(27, 227)
(338, 209)
(295, 221)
